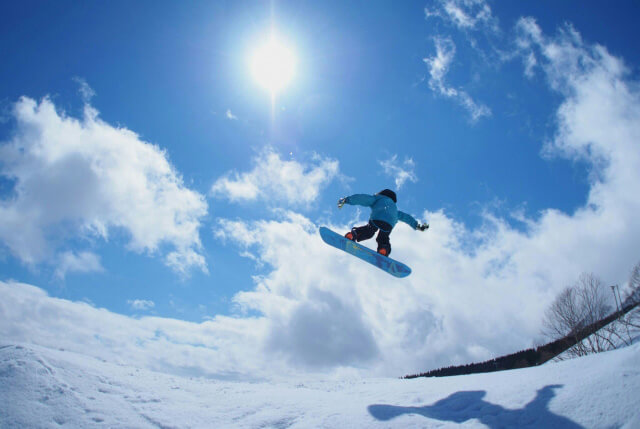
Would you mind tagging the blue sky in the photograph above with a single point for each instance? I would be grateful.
(466, 98)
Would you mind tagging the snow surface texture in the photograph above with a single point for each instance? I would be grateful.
(41, 387)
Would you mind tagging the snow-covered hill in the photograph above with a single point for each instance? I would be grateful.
(42, 387)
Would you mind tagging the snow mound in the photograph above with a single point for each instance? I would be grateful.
(43, 388)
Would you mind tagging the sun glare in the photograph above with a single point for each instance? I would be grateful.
(273, 65)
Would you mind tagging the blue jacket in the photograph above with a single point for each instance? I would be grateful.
(382, 208)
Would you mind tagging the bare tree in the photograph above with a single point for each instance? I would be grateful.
(634, 285)
(631, 320)
(577, 307)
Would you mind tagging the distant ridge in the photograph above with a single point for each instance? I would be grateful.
(530, 357)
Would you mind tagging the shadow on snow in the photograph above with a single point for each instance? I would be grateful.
(462, 406)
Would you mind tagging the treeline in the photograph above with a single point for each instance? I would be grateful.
(533, 356)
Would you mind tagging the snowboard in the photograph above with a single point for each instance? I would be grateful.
(391, 266)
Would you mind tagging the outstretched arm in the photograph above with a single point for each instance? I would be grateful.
(411, 221)
(357, 200)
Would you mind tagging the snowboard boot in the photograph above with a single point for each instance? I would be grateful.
(383, 251)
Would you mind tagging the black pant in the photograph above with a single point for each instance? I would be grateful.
(367, 231)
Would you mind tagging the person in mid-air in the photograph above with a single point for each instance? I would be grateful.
(384, 216)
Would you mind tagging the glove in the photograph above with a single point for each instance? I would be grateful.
(423, 226)
(341, 202)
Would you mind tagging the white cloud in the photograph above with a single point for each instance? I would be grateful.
(83, 262)
(222, 347)
(464, 14)
(84, 177)
(597, 120)
(313, 321)
(400, 171)
(230, 115)
(141, 304)
(322, 331)
(439, 67)
(528, 34)
(86, 91)
(530, 63)
(273, 178)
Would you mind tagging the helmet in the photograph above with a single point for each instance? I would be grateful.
(388, 193)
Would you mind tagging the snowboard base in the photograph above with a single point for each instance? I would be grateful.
(391, 266)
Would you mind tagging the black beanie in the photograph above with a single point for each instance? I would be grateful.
(389, 193)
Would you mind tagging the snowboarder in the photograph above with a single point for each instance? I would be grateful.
(384, 216)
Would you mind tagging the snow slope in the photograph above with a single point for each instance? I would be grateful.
(41, 387)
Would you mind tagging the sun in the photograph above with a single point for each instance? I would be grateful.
(273, 65)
